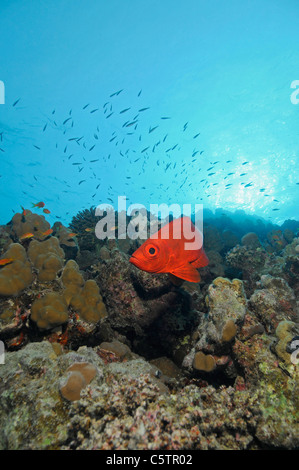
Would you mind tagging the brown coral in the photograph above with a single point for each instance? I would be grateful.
(49, 311)
(16, 276)
(79, 375)
(47, 257)
(30, 222)
(204, 362)
(83, 297)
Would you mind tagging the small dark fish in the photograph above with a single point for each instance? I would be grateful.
(66, 120)
(92, 161)
(243, 174)
(229, 174)
(211, 168)
(124, 110)
(139, 93)
(131, 123)
(45, 127)
(16, 102)
(196, 135)
(94, 110)
(84, 107)
(151, 129)
(262, 190)
(82, 181)
(92, 147)
(245, 163)
(275, 209)
(210, 174)
(109, 115)
(165, 117)
(228, 161)
(145, 149)
(247, 185)
(38, 148)
(77, 163)
(2, 150)
(116, 93)
(143, 109)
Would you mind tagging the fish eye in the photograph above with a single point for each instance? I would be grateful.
(151, 250)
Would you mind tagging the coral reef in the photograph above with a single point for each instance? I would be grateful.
(101, 355)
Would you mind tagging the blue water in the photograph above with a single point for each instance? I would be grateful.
(220, 69)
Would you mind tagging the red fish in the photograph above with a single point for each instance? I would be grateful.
(167, 251)
(38, 204)
(46, 211)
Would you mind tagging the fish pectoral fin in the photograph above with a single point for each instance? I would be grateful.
(176, 281)
(187, 272)
(201, 261)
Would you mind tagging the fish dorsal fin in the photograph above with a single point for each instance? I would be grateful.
(187, 272)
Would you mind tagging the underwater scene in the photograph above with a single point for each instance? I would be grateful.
(149, 226)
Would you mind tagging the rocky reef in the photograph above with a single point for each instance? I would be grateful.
(101, 355)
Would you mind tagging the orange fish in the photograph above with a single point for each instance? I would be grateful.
(39, 204)
(46, 211)
(71, 235)
(47, 232)
(26, 235)
(168, 251)
(5, 261)
(88, 229)
(24, 211)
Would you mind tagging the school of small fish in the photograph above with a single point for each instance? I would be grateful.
(152, 147)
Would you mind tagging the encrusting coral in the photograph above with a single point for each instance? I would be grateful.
(17, 275)
(78, 376)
